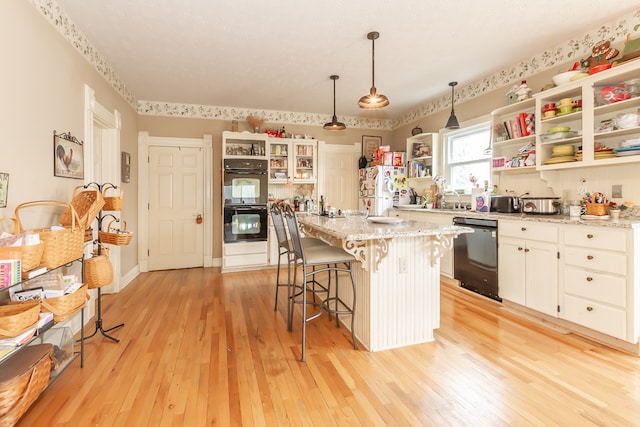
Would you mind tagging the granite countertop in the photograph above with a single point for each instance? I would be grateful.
(344, 229)
(626, 222)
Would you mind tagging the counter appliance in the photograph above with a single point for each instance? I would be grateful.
(541, 205)
(475, 256)
(505, 204)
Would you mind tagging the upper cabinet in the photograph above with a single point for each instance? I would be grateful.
(421, 152)
(599, 128)
(244, 144)
(293, 160)
(513, 136)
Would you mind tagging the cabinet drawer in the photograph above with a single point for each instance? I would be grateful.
(245, 260)
(593, 315)
(597, 260)
(529, 230)
(596, 286)
(596, 237)
(245, 248)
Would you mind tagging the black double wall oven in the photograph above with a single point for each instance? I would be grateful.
(245, 193)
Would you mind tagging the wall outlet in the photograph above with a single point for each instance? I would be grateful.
(402, 264)
(616, 191)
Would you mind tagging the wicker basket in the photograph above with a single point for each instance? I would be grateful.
(87, 204)
(18, 318)
(98, 270)
(114, 236)
(22, 379)
(30, 256)
(113, 203)
(63, 307)
(60, 246)
(598, 209)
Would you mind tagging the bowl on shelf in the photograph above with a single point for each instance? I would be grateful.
(565, 77)
(562, 150)
(627, 120)
(355, 215)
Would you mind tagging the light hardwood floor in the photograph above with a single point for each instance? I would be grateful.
(201, 348)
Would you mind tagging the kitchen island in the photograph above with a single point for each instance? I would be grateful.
(397, 275)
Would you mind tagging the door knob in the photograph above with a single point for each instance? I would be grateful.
(199, 218)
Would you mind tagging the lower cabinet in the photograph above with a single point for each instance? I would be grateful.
(597, 280)
(528, 264)
(244, 254)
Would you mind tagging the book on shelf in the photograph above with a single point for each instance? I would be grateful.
(518, 127)
(17, 340)
(34, 272)
(10, 272)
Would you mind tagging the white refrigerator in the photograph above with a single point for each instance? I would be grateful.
(380, 188)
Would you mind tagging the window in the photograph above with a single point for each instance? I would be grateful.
(466, 156)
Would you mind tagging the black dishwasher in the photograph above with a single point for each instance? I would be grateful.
(475, 256)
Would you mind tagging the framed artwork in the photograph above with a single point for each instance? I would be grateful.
(68, 156)
(369, 145)
(4, 189)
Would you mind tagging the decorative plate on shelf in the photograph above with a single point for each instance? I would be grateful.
(385, 219)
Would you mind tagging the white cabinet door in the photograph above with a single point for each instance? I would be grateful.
(511, 270)
(541, 277)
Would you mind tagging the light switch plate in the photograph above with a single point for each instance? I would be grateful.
(616, 191)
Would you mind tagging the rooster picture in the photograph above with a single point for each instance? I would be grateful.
(64, 156)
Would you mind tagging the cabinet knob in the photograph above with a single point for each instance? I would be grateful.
(523, 228)
(589, 279)
(589, 308)
(527, 250)
(520, 248)
(589, 256)
(589, 236)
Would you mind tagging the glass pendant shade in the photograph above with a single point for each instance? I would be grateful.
(334, 124)
(373, 99)
(452, 123)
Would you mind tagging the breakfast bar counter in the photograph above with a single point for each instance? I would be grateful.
(397, 276)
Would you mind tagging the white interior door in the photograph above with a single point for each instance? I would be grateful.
(338, 174)
(176, 207)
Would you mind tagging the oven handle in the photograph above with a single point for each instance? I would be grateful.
(246, 208)
(246, 172)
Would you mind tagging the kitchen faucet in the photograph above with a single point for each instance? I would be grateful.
(457, 205)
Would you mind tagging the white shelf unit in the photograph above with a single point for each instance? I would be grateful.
(505, 146)
(586, 121)
(422, 152)
(244, 145)
(293, 160)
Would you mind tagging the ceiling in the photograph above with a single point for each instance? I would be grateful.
(279, 54)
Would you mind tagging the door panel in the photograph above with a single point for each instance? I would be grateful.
(176, 197)
(338, 174)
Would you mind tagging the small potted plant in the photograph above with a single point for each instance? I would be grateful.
(427, 201)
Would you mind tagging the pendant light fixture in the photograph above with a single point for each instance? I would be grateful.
(334, 124)
(374, 99)
(452, 123)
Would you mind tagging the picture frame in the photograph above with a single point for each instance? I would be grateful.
(68, 156)
(4, 189)
(370, 144)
